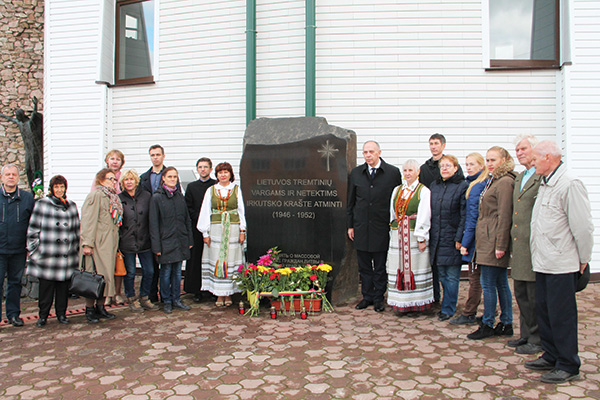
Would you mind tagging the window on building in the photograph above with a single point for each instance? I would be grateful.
(135, 41)
(524, 33)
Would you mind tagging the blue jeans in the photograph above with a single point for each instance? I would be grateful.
(494, 282)
(147, 273)
(12, 266)
(449, 278)
(170, 282)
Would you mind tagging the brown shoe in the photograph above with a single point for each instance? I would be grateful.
(147, 304)
(134, 304)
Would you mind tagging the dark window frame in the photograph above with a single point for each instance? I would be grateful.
(500, 64)
(129, 81)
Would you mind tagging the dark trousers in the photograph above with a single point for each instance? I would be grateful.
(153, 295)
(436, 283)
(557, 319)
(525, 296)
(57, 291)
(475, 291)
(12, 267)
(373, 275)
(193, 267)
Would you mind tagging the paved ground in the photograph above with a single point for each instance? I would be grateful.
(207, 353)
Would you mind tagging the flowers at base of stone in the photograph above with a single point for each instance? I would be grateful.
(268, 276)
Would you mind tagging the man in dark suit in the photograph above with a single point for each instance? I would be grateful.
(369, 191)
(194, 194)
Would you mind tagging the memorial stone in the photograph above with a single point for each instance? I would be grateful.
(294, 178)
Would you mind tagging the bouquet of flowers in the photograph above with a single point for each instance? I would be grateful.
(268, 278)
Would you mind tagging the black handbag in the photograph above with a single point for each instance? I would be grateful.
(87, 284)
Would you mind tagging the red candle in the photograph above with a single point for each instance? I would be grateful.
(273, 313)
(303, 313)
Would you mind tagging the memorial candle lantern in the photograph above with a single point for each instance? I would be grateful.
(242, 308)
(273, 313)
(303, 313)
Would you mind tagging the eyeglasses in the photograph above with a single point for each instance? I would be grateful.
(446, 166)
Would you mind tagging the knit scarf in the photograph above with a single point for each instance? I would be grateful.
(61, 202)
(169, 189)
(115, 206)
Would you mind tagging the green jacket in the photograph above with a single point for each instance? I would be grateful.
(523, 201)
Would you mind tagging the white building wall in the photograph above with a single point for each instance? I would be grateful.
(582, 105)
(280, 58)
(197, 105)
(73, 103)
(399, 71)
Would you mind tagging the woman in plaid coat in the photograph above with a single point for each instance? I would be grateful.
(53, 245)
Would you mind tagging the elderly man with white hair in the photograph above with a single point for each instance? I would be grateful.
(561, 246)
(527, 184)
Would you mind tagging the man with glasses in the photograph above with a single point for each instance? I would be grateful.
(194, 194)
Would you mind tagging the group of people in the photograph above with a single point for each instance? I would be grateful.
(414, 230)
(125, 216)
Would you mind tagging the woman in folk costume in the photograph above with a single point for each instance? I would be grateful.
(410, 284)
(223, 225)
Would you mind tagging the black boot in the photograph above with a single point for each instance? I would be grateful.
(91, 316)
(102, 313)
(503, 330)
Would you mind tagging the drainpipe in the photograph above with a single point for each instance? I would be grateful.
(310, 102)
(250, 61)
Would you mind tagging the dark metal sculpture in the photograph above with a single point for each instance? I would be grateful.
(31, 129)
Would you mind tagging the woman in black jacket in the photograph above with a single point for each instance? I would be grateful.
(171, 236)
(445, 235)
(134, 239)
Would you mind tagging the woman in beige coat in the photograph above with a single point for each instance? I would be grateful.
(100, 220)
(492, 242)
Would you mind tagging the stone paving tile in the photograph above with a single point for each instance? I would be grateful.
(218, 354)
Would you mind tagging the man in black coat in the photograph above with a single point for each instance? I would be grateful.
(16, 207)
(150, 180)
(430, 171)
(369, 191)
(194, 194)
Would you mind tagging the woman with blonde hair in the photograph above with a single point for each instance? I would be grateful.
(477, 178)
(492, 243)
(115, 159)
(134, 240)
